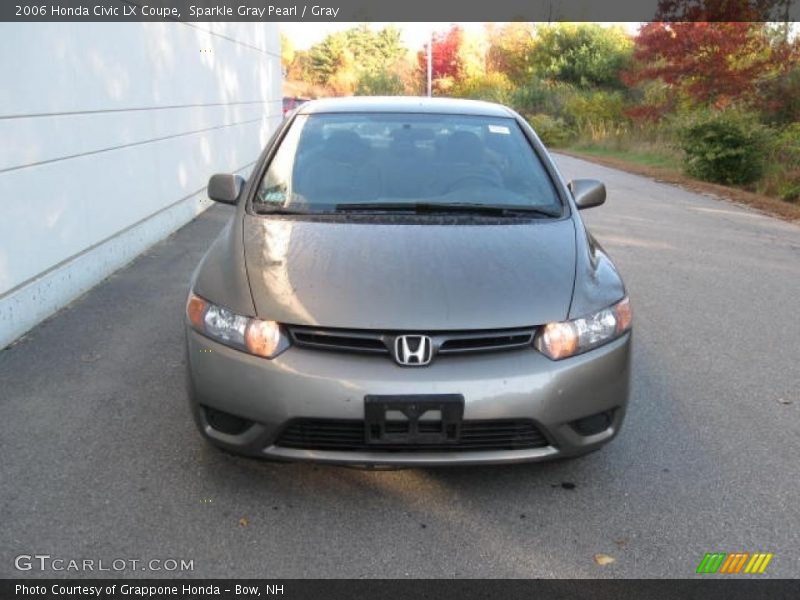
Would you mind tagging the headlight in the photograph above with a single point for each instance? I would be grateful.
(568, 338)
(262, 338)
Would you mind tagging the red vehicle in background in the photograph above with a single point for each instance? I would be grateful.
(292, 102)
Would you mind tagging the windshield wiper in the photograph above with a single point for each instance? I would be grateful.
(500, 210)
(277, 210)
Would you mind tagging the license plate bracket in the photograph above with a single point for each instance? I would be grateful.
(412, 428)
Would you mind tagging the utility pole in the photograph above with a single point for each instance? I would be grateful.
(786, 21)
(430, 62)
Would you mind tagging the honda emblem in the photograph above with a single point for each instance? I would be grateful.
(413, 350)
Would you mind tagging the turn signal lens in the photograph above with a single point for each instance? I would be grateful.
(263, 338)
(196, 310)
(622, 311)
(568, 338)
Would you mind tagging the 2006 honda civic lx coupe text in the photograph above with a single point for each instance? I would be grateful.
(407, 281)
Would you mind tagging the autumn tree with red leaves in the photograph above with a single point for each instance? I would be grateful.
(723, 56)
(446, 58)
(712, 63)
(722, 10)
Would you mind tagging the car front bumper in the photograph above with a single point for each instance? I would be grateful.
(315, 384)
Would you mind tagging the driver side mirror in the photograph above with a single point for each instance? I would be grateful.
(587, 192)
(225, 188)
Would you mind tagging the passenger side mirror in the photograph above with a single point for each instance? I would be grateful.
(225, 188)
(587, 192)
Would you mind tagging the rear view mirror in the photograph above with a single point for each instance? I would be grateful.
(225, 188)
(587, 192)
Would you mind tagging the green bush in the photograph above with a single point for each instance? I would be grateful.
(535, 97)
(724, 147)
(597, 115)
(553, 131)
(493, 87)
(592, 115)
(586, 55)
(783, 171)
(381, 83)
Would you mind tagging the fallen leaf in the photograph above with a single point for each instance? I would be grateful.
(603, 559)
(243, 522)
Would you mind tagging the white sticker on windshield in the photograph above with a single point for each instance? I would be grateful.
(499, 129)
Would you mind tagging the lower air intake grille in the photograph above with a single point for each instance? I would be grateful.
(347, 435)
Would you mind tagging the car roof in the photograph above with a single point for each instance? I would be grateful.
(405, 104)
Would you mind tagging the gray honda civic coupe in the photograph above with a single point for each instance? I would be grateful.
(407, 281)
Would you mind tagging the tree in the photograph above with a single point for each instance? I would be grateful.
(383, 83)
(722, 10)
(472, 55)
(447, 62)
(586, 55)
(493, 87)
(509, 51)
(343, 58)
(778, 90)
(707, 63)
(300, 69)
(327, 56)
(287, 52)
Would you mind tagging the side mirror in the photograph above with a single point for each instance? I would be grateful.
(587, 192)
(225, 188)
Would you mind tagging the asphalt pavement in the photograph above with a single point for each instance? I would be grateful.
(100, 459)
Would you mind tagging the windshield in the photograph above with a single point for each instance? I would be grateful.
(390, 162)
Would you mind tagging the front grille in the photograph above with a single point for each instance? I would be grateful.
(330, 340)
(349, 435)
(382, 342)
(485, 342)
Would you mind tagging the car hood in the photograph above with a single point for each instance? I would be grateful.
(410, 276)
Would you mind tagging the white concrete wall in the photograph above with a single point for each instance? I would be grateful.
(108, 133)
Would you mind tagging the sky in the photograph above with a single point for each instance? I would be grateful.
(304, 35)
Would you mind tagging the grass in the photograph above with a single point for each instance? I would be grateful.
(644, 157)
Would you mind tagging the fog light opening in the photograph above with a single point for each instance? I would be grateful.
(226, 422)
(594, 423)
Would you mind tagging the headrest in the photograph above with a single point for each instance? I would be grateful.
(345, 146)
(464, 147)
